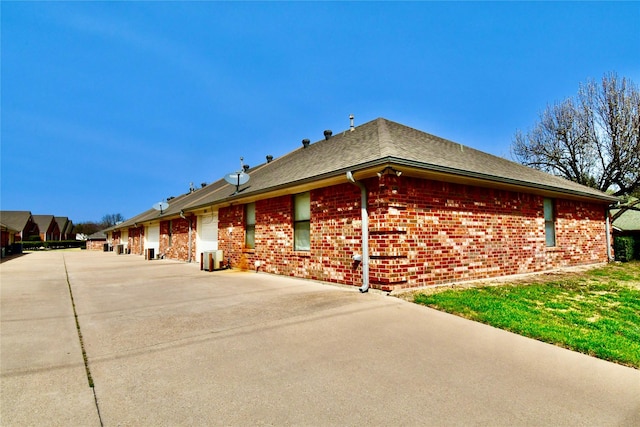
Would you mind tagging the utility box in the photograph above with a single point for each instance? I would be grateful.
(212, 260)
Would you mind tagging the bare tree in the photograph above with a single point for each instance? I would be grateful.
(110, 220)
(592, 139)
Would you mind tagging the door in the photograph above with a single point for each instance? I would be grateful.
(207, 233)
(152, 238)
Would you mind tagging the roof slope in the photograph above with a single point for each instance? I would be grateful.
(382, 141)
(377, 142)
(16, 220)
(628, 221)
(43, 221)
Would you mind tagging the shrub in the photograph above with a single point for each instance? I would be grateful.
(625, 248)
(54, 244)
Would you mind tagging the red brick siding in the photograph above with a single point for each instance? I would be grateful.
(136, 240)
(421, 233)
(179, 248)
(95, 245)
(116, 238)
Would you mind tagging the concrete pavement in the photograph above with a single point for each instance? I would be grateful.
(168, 344)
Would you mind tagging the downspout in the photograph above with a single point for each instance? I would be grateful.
(608, 234)
(183, 217)
(365, 232)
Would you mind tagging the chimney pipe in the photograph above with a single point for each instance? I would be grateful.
(269, 158)
(306, 142)
(327, 134)
(351, 127)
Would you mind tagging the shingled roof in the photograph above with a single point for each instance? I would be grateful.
(15, 220)
(379, 142)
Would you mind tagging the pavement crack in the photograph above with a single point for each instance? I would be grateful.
(84, 352)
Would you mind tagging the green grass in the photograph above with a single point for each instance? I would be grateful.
(596, 312)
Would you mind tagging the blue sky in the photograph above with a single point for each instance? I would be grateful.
(111, 107)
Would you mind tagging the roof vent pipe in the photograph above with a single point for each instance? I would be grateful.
(327, 134)
(351, 126)
(306, 142)
(269, 158)
(245, 167)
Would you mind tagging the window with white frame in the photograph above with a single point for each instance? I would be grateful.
(250, 226)
(549, 222)
(302, 222)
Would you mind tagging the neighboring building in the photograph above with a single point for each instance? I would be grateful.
(628, 224)
(16, 227)
(65, 225)
(434, 212)
(96, 241)
(48, 226)
(7, 239)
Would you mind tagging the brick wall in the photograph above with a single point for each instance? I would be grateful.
(136, 240)
(96, 245)
(422, 232)
(174, 238)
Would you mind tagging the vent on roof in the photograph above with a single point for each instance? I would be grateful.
(269, 158)
(351, 125)
(245, 167)
(327, 134)
(306, 142)
(203, 184)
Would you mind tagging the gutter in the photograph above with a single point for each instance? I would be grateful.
(365, 232)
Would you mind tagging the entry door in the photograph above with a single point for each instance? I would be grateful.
(152, 237)
(207, 232)
(124, 238)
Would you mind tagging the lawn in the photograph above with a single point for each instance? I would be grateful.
(596, 311)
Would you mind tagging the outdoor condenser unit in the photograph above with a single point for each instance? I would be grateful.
(216, 259)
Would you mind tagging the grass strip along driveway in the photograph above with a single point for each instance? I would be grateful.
(596, 312)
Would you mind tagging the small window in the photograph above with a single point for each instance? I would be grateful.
(302, 222)
(250, 226)
(549, 222)
(170, 232)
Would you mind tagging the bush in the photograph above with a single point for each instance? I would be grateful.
(626, 248)
(59, 244)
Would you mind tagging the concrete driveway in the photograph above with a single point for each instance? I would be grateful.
(170, 345)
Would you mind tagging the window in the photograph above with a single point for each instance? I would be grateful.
(549, 223)
(250, 226)
(302, 222)
(170, 232)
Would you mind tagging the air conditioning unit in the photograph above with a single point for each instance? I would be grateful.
(216, 260)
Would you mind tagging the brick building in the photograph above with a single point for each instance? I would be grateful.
(387, 206)
(16, 226)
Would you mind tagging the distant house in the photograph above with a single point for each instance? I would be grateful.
(65, 225)
(48, 226)
(627, 224)
(96, 241)
(382, 205)
(16, 227)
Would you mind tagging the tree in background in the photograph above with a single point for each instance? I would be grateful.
(110, 220)
(592, 139)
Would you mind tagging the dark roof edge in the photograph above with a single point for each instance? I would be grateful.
(409, 163)
(492, 178)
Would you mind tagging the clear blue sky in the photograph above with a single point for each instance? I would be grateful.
(112, 107)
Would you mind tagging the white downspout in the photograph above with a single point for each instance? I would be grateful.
(365, 232)
(608, 235)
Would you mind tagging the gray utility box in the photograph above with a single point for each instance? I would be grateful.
(212, 260)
